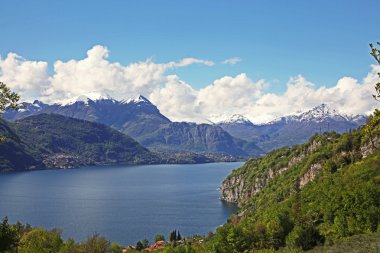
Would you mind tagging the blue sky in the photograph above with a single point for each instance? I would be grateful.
(321, 40)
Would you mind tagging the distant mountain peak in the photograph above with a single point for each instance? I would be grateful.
(236, 119)
(137, 100)
(319, 113)
(85, 98)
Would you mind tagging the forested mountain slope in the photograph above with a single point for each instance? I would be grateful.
(306, 195)
(55, 141)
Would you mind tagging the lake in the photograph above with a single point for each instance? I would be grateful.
(123, 203)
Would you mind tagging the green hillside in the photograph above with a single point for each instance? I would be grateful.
(55, 141)
(307, 195)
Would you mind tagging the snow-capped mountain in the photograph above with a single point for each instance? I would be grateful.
(102, 108)
(140, 119)
(319, 114)
(295, 128)
(236, 119)
(137, 100)
(89, 97)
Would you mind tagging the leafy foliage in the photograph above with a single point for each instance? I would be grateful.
(9, 236)
(375, 52)
(159, 237)
(41, 241)
(7, 97)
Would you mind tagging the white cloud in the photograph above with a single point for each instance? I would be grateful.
(228, 95)
(347, 96)
(96, 73)
(188, 61)
(175, 98)
(28, 78)
(232, 61)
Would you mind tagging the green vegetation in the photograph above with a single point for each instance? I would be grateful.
(8, 99)
(375, 52)
(343, 199)
(159, 237)
(289, 212)
(55, 141)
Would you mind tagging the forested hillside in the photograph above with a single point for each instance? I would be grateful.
(55, 141)
(306, 195)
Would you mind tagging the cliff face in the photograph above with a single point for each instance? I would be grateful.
(240, 188)
(304, 163)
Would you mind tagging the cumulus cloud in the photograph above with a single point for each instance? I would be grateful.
(96, 73)
(348, 96)
(228, 95)
(232, 61)
(175, 98)
(28, 78)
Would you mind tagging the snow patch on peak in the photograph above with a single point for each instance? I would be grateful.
(318, 114)
(136, 100)
(235, 119)
(92, 96)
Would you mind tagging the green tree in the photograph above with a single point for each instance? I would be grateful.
(375, 52)
(9, 236)
(159, 237)
(70, 247)
(116, 248)
(139, 246)
(41, 241)
(97, 244)
(173, 235)
(145, 243)
(179, 237)
(7, 99)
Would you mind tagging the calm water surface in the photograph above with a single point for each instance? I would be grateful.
(123, 203)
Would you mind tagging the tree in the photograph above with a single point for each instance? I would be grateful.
(139, 246)
(173, 235)
(159, 237)
(179, 237)
(41, 241)
(7, 98)
(70, 247)
(375, 52)
(97, 244)
(375, 119)
(145, 243)
(9, 236)
(116, 248)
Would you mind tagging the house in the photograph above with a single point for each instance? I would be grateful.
(128, 248)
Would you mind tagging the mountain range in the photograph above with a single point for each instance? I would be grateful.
(292, 129)
(238, 136)
(141, 120)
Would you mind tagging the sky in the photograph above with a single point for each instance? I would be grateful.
(196, 60)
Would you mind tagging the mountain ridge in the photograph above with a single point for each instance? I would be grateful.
(140, 119)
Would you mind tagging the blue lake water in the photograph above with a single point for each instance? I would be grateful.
(123, 203)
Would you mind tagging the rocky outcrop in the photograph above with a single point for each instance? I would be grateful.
(310, 174)
(239, 189)
(370, 147)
